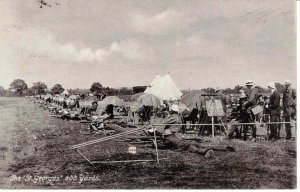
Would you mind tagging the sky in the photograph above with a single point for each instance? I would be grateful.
(200, 43)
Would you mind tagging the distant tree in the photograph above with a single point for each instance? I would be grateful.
(57, 89)
(228, 90)
(109, 91)
(96, 87)
(261, 90)
(3, 92)
(30, 91)
(138, 89)
(78, 91)
(236, 88)
(18, 86)
(39, 87)
(209, 90)
(125, 91)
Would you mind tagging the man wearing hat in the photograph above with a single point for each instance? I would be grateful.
(289, 107)
(223, 98)
(252, 97)
(173, 119)
(252, 94)
(173, 141)
(274, 109)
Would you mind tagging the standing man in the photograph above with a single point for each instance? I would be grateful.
(225, 102)
(289, 107)
(223, 97)
(274, 108)
(252, 97)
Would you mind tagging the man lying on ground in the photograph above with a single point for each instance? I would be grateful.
(172, 140)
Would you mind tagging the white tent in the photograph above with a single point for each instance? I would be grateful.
(164, 88)
(152, 84)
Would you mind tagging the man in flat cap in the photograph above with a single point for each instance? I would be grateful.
(289, 107)
(274, 108)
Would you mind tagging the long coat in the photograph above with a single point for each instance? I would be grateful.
(274, 105)
(289, 102)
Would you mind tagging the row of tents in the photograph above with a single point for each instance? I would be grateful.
(162, 88)
(160, 91)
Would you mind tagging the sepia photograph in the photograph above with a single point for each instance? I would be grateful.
(145, 94)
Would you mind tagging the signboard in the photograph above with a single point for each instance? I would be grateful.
(214, 108)
(132, 150)
(257, 109)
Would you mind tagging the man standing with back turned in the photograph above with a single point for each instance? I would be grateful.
(274, 107)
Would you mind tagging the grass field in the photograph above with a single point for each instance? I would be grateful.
(34, 152)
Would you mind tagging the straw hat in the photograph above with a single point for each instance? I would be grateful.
(272, 85)
(287, 82)
(249, 83)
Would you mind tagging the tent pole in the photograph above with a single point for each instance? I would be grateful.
(212, 127)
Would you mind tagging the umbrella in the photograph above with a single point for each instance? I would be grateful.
(48, 96)
(136, 96)
(61, 99)
(68, 101)
(182, 107)
(149, 100)
(194, 99)
(112, 100)
(73, 97)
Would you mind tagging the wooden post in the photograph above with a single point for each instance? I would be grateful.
(212, 127)
(268, 127)
(155, 140)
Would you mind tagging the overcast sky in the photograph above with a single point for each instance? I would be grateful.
(201, 43)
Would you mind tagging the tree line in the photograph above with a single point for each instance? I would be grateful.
(19, 88)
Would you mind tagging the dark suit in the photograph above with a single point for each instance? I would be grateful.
(289, 109)
(274, 108)
(252, 96)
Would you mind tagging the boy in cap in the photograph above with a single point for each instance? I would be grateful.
(289, 107)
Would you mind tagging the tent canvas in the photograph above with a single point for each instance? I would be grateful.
(164, 88)
(154, 82)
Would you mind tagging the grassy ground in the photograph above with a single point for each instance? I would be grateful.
(34, 152)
